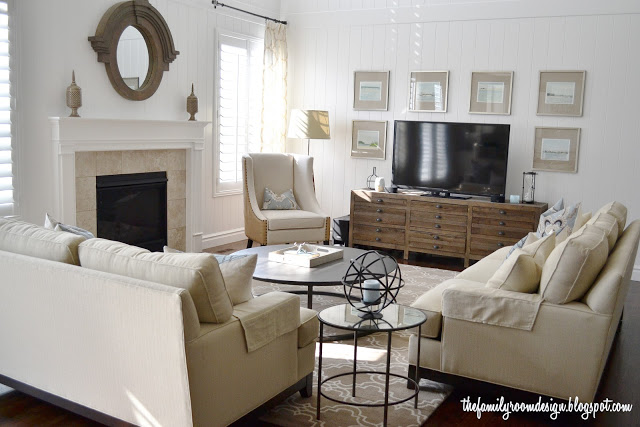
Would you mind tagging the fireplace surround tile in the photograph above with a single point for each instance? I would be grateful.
(177, 238)
(88, 220)
(108, 163)
(85, 164)
(86, 194)
(176, 213)
(176, 185)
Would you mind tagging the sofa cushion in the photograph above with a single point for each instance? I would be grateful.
(198, 273)
(518, 273)
(573, 265)
(431, 303)
(609, 224)
(309, 328)
(619, 211)
(292, 219)
(32, 240)
(237, 271)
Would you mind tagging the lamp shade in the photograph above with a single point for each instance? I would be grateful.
(309, 124)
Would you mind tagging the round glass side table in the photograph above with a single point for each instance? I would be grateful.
(395, 317)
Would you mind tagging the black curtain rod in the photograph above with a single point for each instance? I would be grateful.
(216, 3)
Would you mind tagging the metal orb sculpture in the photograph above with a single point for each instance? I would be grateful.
(371, 283)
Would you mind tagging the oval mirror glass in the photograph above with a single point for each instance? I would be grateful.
(133, 58)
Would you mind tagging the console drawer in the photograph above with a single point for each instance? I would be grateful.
(369, 215)
(423, 240)
(510, 223)
(481, 245)
(499, 232)
(373, 235)
(426, 218)
(503, 212)
(438, 226)
(379, 199)
(440, 207)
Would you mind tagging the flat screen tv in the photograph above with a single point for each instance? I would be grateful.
(462, 158)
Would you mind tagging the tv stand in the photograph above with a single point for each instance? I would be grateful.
(469, 229)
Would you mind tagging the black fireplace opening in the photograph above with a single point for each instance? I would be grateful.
(132, 208)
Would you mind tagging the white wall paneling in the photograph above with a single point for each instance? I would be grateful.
(330, 40)
(53, 41)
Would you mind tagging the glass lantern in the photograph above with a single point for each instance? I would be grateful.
(528, 187)
(371, 180)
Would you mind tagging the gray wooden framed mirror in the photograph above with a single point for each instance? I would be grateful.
(135, 44)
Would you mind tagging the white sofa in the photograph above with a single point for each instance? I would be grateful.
(115, 347)
(522, 340)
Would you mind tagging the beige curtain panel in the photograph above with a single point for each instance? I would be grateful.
(274, 89)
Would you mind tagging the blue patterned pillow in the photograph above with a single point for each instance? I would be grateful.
(284, 201)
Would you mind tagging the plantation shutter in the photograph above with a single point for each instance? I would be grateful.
(239, 107)
(6, 170)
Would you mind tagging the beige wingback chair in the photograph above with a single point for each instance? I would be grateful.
(281, 172)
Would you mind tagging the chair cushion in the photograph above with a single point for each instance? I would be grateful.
(619, 211)
(309, 328)
(431, 303)
(197, 273)
(609, 224)
(292, 219)
(518, 273)
(29, 239)
(573, 265)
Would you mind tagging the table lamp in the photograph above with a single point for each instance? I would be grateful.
(309, 124)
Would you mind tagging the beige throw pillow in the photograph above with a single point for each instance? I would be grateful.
(518, 273)
(573, 265)
(539, 248)
(198, 273)
(609, 224)
(619, 211)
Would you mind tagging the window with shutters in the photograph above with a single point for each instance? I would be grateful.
(239, 107)
(6, 171)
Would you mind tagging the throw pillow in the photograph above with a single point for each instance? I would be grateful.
(573, 265)
(619, 212)
(52, 224)
(557, 207)
(609, 225)
(284, 201)
(237, 272)
(197, 273)
(519, 273)
(539, 248)
(558, 221)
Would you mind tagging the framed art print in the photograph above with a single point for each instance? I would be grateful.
(428, 91)
(561, 93)
(491, 92)
(371, 90)
(556, 149)
(369, 139)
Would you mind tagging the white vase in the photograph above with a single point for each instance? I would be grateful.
(380, 184)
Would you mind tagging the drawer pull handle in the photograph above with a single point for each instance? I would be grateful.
(377, 239)
(501, 223)
(500, 233)
(438, 217)
(437, 225)
(500, 244)
(378, 230)
(503, 212)
(436, 247)
(438, 206)
(379, 200)
(379, 210)
(379, 219)
(436, 237)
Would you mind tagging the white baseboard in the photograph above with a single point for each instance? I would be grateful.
(636, 273)
(223, 238)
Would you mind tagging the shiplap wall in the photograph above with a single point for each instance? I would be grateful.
(329, 40)
(52, 41)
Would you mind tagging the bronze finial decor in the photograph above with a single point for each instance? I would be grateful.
(74, 96)
(192, 105)
(145, 18)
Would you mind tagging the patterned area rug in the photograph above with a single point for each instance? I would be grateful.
(338, 358)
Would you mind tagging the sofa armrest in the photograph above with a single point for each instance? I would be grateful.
(491, 306)
(268, 317)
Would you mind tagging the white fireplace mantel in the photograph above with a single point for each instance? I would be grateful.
(71, 135)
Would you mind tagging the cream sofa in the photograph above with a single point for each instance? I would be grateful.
(521, 340)
(114, 347)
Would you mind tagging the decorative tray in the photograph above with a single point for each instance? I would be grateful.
(310, 256)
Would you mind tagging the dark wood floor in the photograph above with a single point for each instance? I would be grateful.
(620, 382)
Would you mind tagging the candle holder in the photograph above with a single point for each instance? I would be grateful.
(375, 280)
(528, 187)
